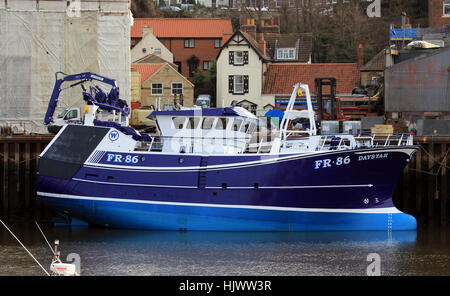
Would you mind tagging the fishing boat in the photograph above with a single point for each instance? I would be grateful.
(205, 171)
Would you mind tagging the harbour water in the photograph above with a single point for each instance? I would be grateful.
(155, 253)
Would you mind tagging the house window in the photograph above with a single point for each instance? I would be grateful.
(238, 58)
(206, 65)
(189, 43)
(177, 88)
(286, 54)
(157, 88)
(157, 51)
(446, 7)
(238, 84)
(217, 43)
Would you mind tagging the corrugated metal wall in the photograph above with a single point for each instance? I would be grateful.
(420, 84)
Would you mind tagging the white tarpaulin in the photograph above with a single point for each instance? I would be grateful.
(38, 40)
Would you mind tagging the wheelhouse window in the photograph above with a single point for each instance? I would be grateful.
(447, 8)
(208, 122)
(178, 122)
(237, 124)
(157, 88)
(222, 123)
(177, 88)
(286, 54)
(238, 84)
(189, 43)
(193, 122)
(244, 127)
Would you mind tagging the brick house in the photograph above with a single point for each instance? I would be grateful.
(194, 42)
(438, 13)
(281, 77)
(163, 81)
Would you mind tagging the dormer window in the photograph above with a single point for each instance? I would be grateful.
(286, 54)
(447, 8)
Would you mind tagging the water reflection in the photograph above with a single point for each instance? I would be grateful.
(132, 252)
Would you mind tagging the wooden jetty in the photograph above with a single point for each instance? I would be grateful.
(422, 191)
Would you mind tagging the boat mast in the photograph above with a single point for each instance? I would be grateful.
(290, 113)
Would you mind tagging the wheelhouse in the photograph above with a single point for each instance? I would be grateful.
(207, 131)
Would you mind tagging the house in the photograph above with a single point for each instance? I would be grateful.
(281, 77)
(438, 13)
(162, 83)
(194, 42)
(289, 47)
(149, 44)
(241, 64)
(373, 70)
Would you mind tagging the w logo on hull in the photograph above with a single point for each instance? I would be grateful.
(113, 135)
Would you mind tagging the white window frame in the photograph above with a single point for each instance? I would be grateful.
(217, 43)
(172, 88)
(236, 84)
(157, 88)
(446, 3)
(206, 63)
(238, 60)
(157, 51)
(285, 53)
(190, 43)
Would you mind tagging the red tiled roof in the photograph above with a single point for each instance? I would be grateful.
(280, 78)
(184, 27)
(147, 70)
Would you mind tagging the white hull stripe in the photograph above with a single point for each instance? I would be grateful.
(243, 187)
(391, 210)
(263, 161)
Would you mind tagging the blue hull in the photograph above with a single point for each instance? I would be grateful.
(317, 191)
(176, 217)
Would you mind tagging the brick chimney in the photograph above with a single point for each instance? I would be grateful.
(146, 30)
(262, 43)
(360, 55)
(250, 28)
(269, 27)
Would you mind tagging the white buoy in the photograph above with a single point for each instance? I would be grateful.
(59, 268)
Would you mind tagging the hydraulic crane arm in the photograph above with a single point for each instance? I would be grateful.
(108, 101)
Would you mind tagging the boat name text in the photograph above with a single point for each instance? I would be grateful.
(373, 156)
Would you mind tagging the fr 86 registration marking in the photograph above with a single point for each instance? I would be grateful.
(119, 158)
(328, 163)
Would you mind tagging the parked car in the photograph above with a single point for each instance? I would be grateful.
(170, 8)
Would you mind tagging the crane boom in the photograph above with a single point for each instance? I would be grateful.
(96, 96)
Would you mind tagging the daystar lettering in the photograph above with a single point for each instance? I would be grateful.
(373, 156)
(191, 286)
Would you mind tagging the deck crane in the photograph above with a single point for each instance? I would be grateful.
(95, 99)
